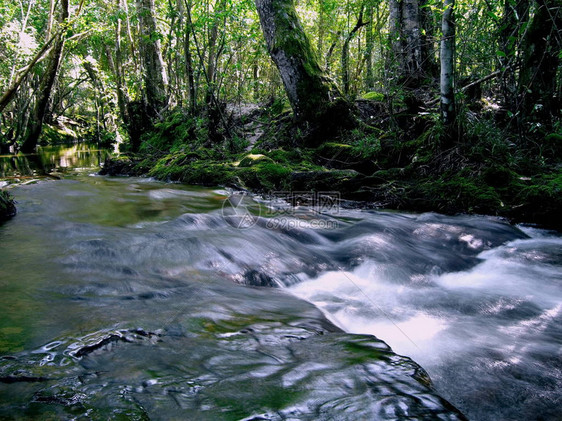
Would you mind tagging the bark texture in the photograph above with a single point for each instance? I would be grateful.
(406, 41)
(447, 64)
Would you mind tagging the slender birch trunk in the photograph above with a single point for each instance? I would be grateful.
(447, 64)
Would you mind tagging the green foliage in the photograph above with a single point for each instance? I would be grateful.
(367, 146)
(237, 144)
(173, 134)
(278, 106)
(52, 135)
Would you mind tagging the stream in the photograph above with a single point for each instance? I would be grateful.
(128, 298)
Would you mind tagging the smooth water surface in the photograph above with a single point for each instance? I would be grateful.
(54, 161)
(135, 298)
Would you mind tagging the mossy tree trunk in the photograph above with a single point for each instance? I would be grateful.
(316, 101)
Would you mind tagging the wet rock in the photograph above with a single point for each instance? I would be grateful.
(259, 279)
(21, 379)
(7, 206)
(123, 166)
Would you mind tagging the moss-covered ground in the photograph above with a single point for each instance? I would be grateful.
(402, 164)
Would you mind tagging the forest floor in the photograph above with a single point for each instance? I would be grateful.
(398, 162)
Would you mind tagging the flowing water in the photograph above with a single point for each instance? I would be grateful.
(127, 298)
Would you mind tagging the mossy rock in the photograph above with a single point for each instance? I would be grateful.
(122, 166)
(290, 157)
(253, 159)
(208, 173)
(265, 176)
(7, 206)
(373, 96)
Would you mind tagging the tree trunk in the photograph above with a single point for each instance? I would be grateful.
(315, 100)
(406, 42)
(540, 61)
(154, 71)
(412, 39)
(447, 64)
(46, 86)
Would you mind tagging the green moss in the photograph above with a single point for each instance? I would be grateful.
(173, 134)
(337, 155)
(373, 96)
(253, 159)
(458, 193)
(52, 135)
(285, 157)
(265, 176)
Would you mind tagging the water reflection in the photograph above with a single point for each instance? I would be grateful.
(52, 161)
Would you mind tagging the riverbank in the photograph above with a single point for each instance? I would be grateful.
(406, 168)
(7, 206)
